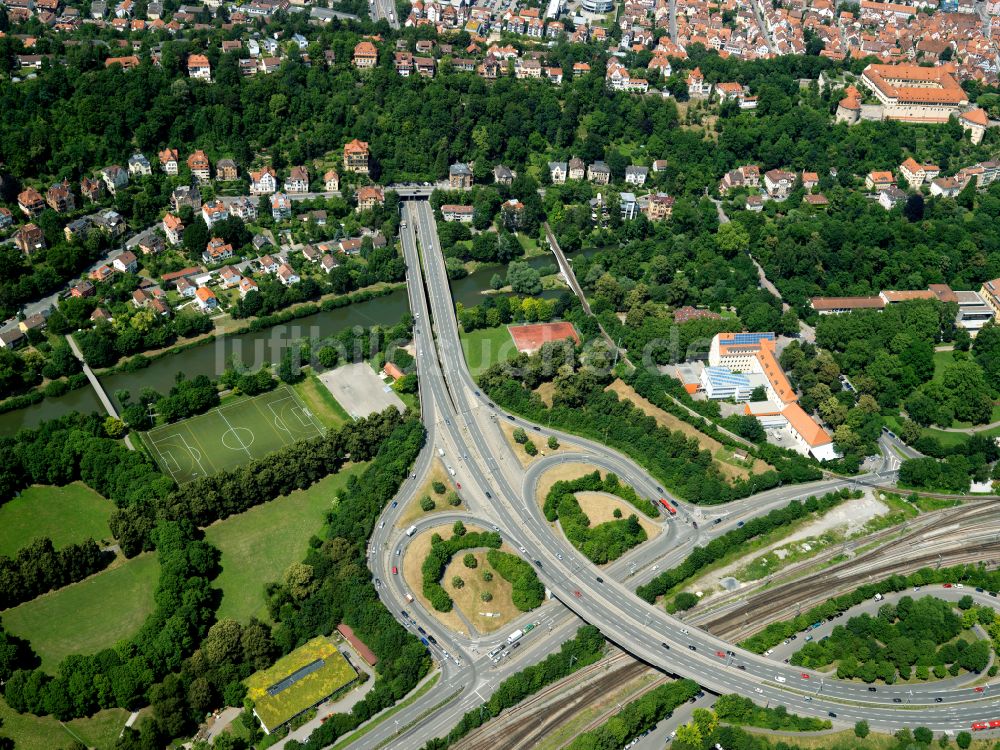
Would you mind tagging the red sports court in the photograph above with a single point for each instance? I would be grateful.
(529, 338)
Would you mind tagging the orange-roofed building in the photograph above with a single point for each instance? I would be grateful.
(915, 94)
(808, 434)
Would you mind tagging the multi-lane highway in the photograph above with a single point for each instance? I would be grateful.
(499, 492)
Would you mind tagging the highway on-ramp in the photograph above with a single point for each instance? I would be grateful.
(499, 492)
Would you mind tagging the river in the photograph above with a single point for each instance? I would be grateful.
(253, 349)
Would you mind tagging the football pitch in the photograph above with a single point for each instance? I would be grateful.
(231, 435)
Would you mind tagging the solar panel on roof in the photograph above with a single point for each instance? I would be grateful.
(295, 676)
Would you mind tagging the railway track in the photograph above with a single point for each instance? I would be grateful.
(889, 541)
(971, 536)
(532, 720)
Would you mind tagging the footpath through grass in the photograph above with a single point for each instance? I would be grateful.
(66, 515)
(258, 545)
(85, 617)
(486, 347)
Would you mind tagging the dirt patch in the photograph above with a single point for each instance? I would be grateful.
(665, 419)
(540, 442)
(545, 392)
(562, 473)
(840, 522)
(413, 560)
(468, 598)
(600, 508)
(413, 511)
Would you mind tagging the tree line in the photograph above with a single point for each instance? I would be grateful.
(501, 310)
(735, 709)
(106, 343)
(637, 716)
(701, 557)
(77, 446)
(527, 592)
(296, 466)
(340, 587)
(581, 405)
(40, 567)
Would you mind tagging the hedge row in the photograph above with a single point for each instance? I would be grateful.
(602, 543)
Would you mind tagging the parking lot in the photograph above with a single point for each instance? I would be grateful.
(359, 389)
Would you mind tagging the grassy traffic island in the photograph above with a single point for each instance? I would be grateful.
(438, 494)
(467, 575)
(597, 512)
(914, 640)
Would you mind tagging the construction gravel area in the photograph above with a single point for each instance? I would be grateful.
(847, 518)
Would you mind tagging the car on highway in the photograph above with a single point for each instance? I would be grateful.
(382, 525)
(692, 647)
(804, 676)
(947, 585)
(758, 690)
(394, 503)
(395, 570)
(577, 594)
(378, 583)
(558, 555)
(600, 580)
(458, 485)
(496, 528)
(897, 700)
(979, 690)
(872, 689)
(739, 524)
(523, 550)
(938, 699)
(667, 647)
(685, 631)
(721, 654)
(779, 678)
(742, 667)
(398, 550)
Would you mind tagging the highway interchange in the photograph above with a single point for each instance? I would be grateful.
(499, 492)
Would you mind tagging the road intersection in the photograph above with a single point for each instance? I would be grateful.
(463, 423)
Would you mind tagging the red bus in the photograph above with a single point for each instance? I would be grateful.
(668, 506)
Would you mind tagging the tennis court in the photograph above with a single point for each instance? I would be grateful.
(231, 435)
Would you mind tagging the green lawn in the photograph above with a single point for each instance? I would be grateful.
(320, 401)
(941, 361)
(85, 617)
(258, 545)
(486, 347)
(64, 514)
(47, 733)
(947, 439)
